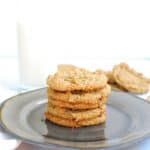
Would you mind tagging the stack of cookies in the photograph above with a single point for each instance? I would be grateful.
(76, 97)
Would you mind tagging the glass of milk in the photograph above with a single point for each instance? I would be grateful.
(81, 32)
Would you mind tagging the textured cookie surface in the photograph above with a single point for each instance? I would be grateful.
(108, 74)
(76, 106)
(72, 123)
(69, 78)
(129, 79)
(110, 77)
(79, 96)
(75, 115)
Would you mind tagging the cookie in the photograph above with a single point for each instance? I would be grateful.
(72, 78)
(108, 74)
(98, 120)
(110, 77)
(72, 123)
(76, 97)
(76, 106)
(129, 79)
(91, 97)
(74, 114)
(140, 75)
(105, 92)
(66, 67)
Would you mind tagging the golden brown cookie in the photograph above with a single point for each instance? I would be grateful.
(140, 75)
(106, 91)
(66, 67)
(129, 79)
(110, 77)
(73, 123)
(76, 106)
(91, 97)
(108, 74)
(74, 78)
(76, 115)
(75, 97)
(98, 120)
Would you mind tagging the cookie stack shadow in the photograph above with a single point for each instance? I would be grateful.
(76, 97)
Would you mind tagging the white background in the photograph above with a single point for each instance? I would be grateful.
(48, 32)
(8, 12)
(88, 27)
(79, 27)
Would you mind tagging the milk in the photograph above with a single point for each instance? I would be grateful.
(81, 32)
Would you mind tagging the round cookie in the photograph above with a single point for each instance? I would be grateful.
(76, 106)
(105, 92)
(75, 115)
(94, 121)
(79, 96)
(109, 75)
(73, 123)
(74, 78)
(129, 79)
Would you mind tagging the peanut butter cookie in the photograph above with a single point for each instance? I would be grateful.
(76, 115)
(72, 123)
(80, 96)
(76, 106)
(129, 79)
(73, 78)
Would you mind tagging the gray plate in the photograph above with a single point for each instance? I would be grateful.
(128, 120)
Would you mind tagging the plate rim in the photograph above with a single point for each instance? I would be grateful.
(64, 143)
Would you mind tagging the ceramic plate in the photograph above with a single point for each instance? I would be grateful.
(128, 120)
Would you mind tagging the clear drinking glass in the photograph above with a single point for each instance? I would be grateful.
(81, 32)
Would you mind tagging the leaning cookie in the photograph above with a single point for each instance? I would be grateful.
(140, 75)
(129, 79)
(76, 79)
